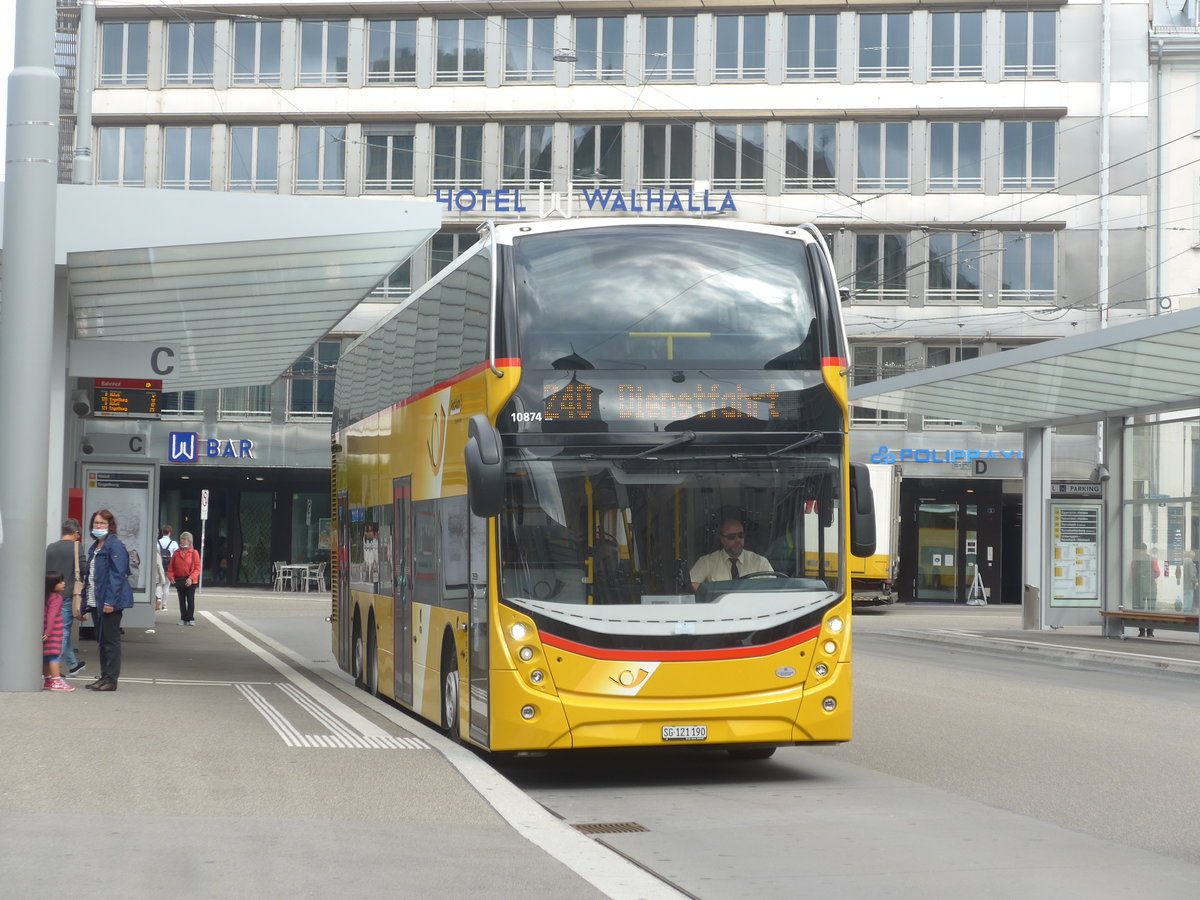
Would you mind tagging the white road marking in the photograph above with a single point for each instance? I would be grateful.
(351, 729)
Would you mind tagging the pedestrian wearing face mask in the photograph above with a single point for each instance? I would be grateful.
(108, 595)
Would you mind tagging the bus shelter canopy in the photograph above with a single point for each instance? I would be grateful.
(1139, 368)
(242, 284)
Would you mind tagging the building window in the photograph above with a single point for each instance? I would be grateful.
(447, 246)
(670, 48)
(529, 49)
(256, 53)
(527, 151)
(812, 46)
(189, 53)
(458, 156)
(596, 154)
(323, 52)
(956, 47)
(389, 165)
(883, 45)
(1027, 268)
(600, 49)
(396, 286)
(321, 159)
(955, 156)
(809, 155)
(944, 356)
(874, 363)
(1028, 155)
(123, 54)
(254, 158)
(246, 402)
(667, 156)
(187, 158)
(741, 48)
(881, 268)
(460, 50)
(392, 51)
(181, 404)
(738, 158)
(1030, 43)
(882, 156)
(310, 382)
(953, 268)
(121, 156)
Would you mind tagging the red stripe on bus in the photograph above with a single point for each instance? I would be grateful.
(680, 655)
(839, 361)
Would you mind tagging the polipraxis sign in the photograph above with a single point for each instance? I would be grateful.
(890, 456)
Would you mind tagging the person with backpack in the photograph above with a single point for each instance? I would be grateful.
(166, 549)
(184, 572)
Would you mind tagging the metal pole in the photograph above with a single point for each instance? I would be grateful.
(26, 339)
(85, 77)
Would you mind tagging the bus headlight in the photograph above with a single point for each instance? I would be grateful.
(518, 631)
(537, 676)
(822, 670)
(528, 712)
(828, 704)
(526, 653)
(830, 647)
(835, 624)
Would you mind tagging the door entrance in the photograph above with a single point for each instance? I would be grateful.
(950, 527)
(947, 544)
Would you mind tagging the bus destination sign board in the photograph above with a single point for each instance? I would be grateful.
(126, 398)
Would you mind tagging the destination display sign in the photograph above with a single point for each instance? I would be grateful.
(126, 398)
(664, 401)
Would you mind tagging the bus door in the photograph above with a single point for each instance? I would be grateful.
(402, 639)
(478, 665)
(342, 561)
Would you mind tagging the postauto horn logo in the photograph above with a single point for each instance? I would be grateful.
(888, 457)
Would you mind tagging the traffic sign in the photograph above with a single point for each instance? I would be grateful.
(204, 505)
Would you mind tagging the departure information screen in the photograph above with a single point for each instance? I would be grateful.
(126, 398)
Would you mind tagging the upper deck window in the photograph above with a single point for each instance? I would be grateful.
(664, 297)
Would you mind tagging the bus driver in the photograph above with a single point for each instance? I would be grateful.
(732, 561)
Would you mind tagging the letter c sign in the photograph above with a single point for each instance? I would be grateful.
(157, 363)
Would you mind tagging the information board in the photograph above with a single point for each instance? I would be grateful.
(126, 398)
(1075, 541)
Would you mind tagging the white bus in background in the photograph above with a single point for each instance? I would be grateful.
(873, 577)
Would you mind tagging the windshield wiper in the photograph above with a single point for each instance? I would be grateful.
(684, 437)
(810, 438)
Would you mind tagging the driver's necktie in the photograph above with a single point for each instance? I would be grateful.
(733, 569)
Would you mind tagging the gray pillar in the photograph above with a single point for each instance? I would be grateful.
(26, 340)
(1038, 444)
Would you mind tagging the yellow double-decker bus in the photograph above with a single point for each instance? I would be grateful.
(531, 457)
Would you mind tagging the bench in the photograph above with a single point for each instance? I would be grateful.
(1115, 621)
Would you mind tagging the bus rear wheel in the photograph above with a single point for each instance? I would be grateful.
(371, 663)
(357, 655)
(450, 691)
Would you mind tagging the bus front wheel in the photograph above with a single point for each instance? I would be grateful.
(371, 663)
(357, 655)
(450, 691)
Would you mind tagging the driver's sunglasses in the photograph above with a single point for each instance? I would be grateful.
(734, 534)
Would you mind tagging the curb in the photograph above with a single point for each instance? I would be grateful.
(1063, 652)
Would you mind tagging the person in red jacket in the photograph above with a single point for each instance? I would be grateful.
(184, 573)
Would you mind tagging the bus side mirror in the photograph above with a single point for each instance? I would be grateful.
(862, 511)
(485, 467)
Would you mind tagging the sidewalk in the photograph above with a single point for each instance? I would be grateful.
(236, 761)
(998, 628)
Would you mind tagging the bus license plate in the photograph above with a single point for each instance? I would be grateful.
(685, 732)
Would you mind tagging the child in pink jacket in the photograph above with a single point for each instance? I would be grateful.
(52, 633)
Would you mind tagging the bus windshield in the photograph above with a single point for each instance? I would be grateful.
(612, 547)
(654, 297)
